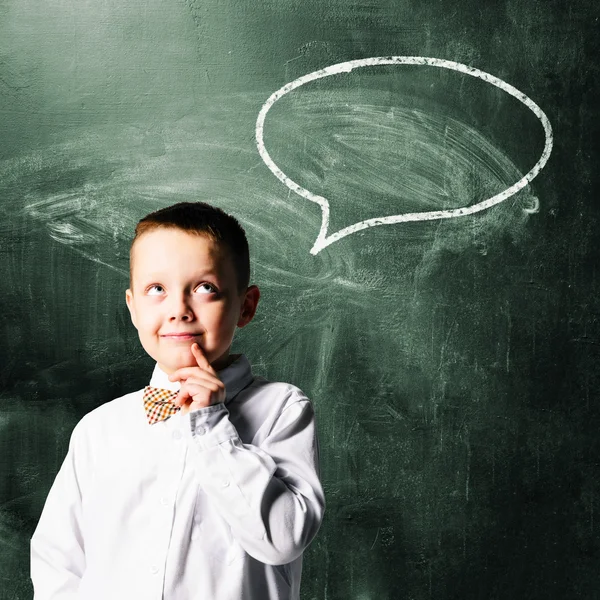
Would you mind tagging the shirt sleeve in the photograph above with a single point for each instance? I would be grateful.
(57, 551)
(269, 494)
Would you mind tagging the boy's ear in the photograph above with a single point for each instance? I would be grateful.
(129, 302)
(249, 305)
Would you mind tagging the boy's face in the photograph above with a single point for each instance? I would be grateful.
(184, 290)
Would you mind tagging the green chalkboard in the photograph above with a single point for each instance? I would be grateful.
(453, 361)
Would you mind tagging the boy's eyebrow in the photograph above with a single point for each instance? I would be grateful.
(199, 275)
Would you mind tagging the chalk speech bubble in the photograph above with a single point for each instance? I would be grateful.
(323, 240)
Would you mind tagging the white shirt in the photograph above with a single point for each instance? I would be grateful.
(217, 504)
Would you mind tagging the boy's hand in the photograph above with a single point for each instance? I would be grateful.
(200, 386)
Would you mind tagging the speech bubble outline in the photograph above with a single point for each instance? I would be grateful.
(323, 240)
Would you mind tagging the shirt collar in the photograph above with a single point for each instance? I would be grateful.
(236, 376)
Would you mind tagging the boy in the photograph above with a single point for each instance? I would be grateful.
(205, 484)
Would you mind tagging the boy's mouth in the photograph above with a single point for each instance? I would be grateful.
(180, 336)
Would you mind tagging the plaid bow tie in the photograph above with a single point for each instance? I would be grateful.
(158, 405)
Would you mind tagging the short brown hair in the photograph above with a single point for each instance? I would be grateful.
(202, 219)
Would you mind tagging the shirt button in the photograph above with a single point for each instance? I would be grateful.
(200, 430)
(177, 434)
(154, 569)
(164, 501)
(225, 483)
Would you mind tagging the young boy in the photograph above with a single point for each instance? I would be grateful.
(204, 485)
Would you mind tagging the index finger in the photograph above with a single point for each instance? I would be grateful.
(201, 358)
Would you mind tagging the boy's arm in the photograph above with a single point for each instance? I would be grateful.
(57, 555)
(271, 494)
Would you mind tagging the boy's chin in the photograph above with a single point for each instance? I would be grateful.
(184, 358)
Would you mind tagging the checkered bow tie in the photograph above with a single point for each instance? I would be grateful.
(158, 405)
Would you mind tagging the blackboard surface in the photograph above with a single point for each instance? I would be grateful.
(453, 363)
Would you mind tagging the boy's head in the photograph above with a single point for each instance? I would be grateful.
(189, 274)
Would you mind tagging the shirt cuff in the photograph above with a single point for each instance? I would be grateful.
(210, 426)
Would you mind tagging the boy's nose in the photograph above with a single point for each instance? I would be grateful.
(180, 309)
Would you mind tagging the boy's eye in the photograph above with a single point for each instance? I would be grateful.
(155, 290)
(206, 288)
